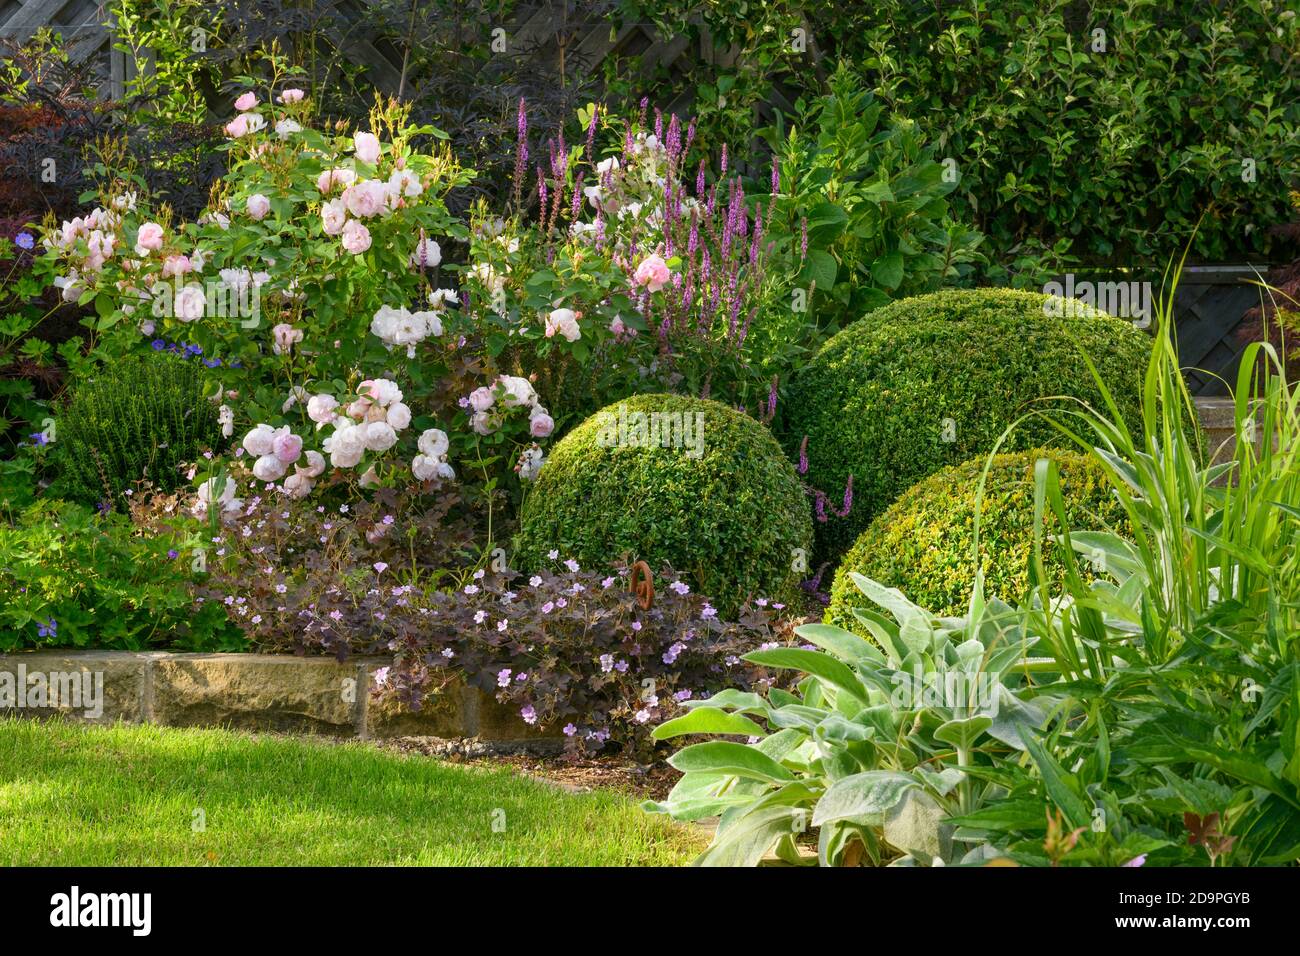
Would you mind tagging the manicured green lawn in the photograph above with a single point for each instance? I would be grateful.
(72, 795)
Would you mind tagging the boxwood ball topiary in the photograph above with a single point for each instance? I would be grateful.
(922, 543)
(138, 420)
(934, 380)
(667, 478)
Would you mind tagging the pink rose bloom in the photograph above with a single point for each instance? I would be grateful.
(189, 303)
(366, 146)
(149, 238)
(286, 446)
(245, 123)
(652, 273)
(176, 266)
(285, 337)
(258, 206)
(359, 409)
(481, 399)
(540, 424)
(246, 102)
(292, 95)
(333, 217)
(617, 326)
(330, 178)
(320, 408)
(355, 237)
(366, 199)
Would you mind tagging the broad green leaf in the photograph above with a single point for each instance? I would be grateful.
(724, 756)
(816, 663)
(708, 720)
(863, 796)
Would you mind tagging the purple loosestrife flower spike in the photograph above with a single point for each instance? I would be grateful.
(645, 104)
(699, 181)
(803, 456)
(776, 177)
(576, 205)
(848, 499)
(803, 239)
(722, 171)
(659, 125)
(771, 399)
(690, 136)
(591, 133)
(819, 507)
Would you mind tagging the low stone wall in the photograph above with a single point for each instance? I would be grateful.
(268, 692)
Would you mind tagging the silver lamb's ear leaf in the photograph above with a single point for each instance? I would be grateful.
(863, 797)
(1013, 717)
(913, 623)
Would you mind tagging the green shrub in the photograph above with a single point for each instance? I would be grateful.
(140, 419)
(72, 578)
(727, 512)
(922, 543)
(934, 380)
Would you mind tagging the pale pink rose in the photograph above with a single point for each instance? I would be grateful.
(652, 273)
(246, 102)
(399, 415)
(540, 424)
(148, 239)
(481, 399)
(190, 302)
(284, 337)
(298, 485)
(330, 178)
(366, 199)
(366, 146)
(423, 467)
(479, 422)
(380, 436)
(245, 123)
(292, 95)
(617, 326)
(259, 441)
(565, 322)
(355, 237)
(359, 409)
(334, 215)
(286, 446)
(268, 468)
(320, 408)
(315, 465)
(258, 206)
(176, 266)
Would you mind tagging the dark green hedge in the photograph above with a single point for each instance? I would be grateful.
(874, 401)
(922, 543)
(729, 519)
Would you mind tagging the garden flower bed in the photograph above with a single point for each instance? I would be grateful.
(785, 462)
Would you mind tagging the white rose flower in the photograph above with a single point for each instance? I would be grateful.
(434, 443)
(399, 416)
(423, 467)
(258, 442)
(380, 436)
(269, 468)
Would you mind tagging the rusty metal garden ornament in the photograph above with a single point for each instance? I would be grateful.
(641, 584)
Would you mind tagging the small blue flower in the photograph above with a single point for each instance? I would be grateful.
(212, 362)
(39, 438)
(49, 629)
(24, 240)
(158, 345)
